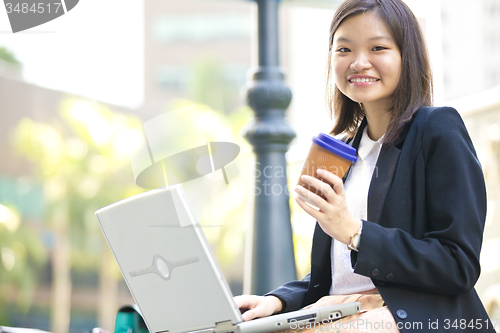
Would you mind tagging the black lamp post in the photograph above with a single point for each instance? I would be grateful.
(273, 261)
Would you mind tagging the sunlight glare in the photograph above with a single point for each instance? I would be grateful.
(8, 218)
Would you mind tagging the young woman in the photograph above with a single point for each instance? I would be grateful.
(413, 206)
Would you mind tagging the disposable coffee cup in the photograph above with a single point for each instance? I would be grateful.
(330, 154)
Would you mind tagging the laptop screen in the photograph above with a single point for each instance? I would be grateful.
(167, 262)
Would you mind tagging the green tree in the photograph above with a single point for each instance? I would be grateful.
(21, 253)
(214, 83)
(9, 57)
(82, 160)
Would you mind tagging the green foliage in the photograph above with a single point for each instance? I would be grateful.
(21, 253)
(82, 160)
(215, 83)
(207, 84)
(9, 57)
(216, 120)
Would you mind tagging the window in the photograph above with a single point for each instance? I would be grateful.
(199, 27)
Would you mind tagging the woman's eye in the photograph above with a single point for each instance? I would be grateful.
(343, 50)
(378, 48)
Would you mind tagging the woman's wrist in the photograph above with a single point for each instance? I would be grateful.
(353, 227)
(277, 305)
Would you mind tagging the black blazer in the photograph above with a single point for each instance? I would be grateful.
(421, 243)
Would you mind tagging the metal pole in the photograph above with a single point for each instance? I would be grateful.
(273, 261)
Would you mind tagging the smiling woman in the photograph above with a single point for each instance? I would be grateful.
(396, 49)
(367, 63)
(404, 228)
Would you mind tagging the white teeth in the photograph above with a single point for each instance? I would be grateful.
(363, 80)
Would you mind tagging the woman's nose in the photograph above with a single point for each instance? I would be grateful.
(360, 63)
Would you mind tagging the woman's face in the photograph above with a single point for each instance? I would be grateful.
(366, 61)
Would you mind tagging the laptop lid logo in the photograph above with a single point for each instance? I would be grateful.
(163, 267)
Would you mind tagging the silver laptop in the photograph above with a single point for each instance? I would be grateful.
(172, 273)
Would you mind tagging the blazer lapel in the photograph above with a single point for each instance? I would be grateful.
(381, 181)
(384, 172)
(321, 248)
(355, 144)
(359, 133)
(383, 175)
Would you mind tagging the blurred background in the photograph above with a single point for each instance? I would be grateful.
(71, 89)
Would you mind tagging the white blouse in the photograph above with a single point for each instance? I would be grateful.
(344, 280)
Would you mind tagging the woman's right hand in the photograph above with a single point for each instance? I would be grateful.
(253, 306)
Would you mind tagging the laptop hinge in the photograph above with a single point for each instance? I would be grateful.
(225, 327)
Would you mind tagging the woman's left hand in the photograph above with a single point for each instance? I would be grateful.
(333, 215)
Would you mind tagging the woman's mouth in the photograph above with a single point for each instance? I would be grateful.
(363, 81)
